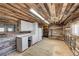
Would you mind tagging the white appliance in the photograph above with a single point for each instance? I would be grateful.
(22, 43)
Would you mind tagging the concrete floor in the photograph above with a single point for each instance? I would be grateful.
(46, 47)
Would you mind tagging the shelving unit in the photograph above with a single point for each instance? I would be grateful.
(7, 46)
(56, 33)
(71, 40)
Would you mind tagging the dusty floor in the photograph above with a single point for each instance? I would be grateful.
(46, 47)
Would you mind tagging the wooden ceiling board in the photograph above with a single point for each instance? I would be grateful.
(55, 13)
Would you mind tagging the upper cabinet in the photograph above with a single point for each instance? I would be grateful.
(26, 26)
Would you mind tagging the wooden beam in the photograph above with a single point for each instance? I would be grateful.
(58, 8)
(69, 13)
(52, 12)
(44, 9)
(38, 10)
(23, 11)
(7, 20)
(72, 17)
(63, 10)
(28, 12)
(13, 12)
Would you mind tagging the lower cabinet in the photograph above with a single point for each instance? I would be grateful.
(34, 38)
(22, 43)
(37, 36)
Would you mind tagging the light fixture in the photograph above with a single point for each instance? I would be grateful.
(38, 15)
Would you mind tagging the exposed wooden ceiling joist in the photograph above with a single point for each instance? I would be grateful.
(55, 13)
(63, 10)
(70, 12)
(38, 10)
(15, 12)
(72, 17)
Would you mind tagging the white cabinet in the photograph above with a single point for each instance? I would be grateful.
(22, 43)
(26, 26)
(34, 39)
(40, 34)
(35, 34)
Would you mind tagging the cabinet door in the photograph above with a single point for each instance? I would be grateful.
(34, 38)
(40, 34)
(24, 43)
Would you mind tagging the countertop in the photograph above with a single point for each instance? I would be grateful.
(14, 36)
(24, 34)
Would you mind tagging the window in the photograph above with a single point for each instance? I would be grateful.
(75, 29)
(7, 28)
(1, 29)
(10, 29)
